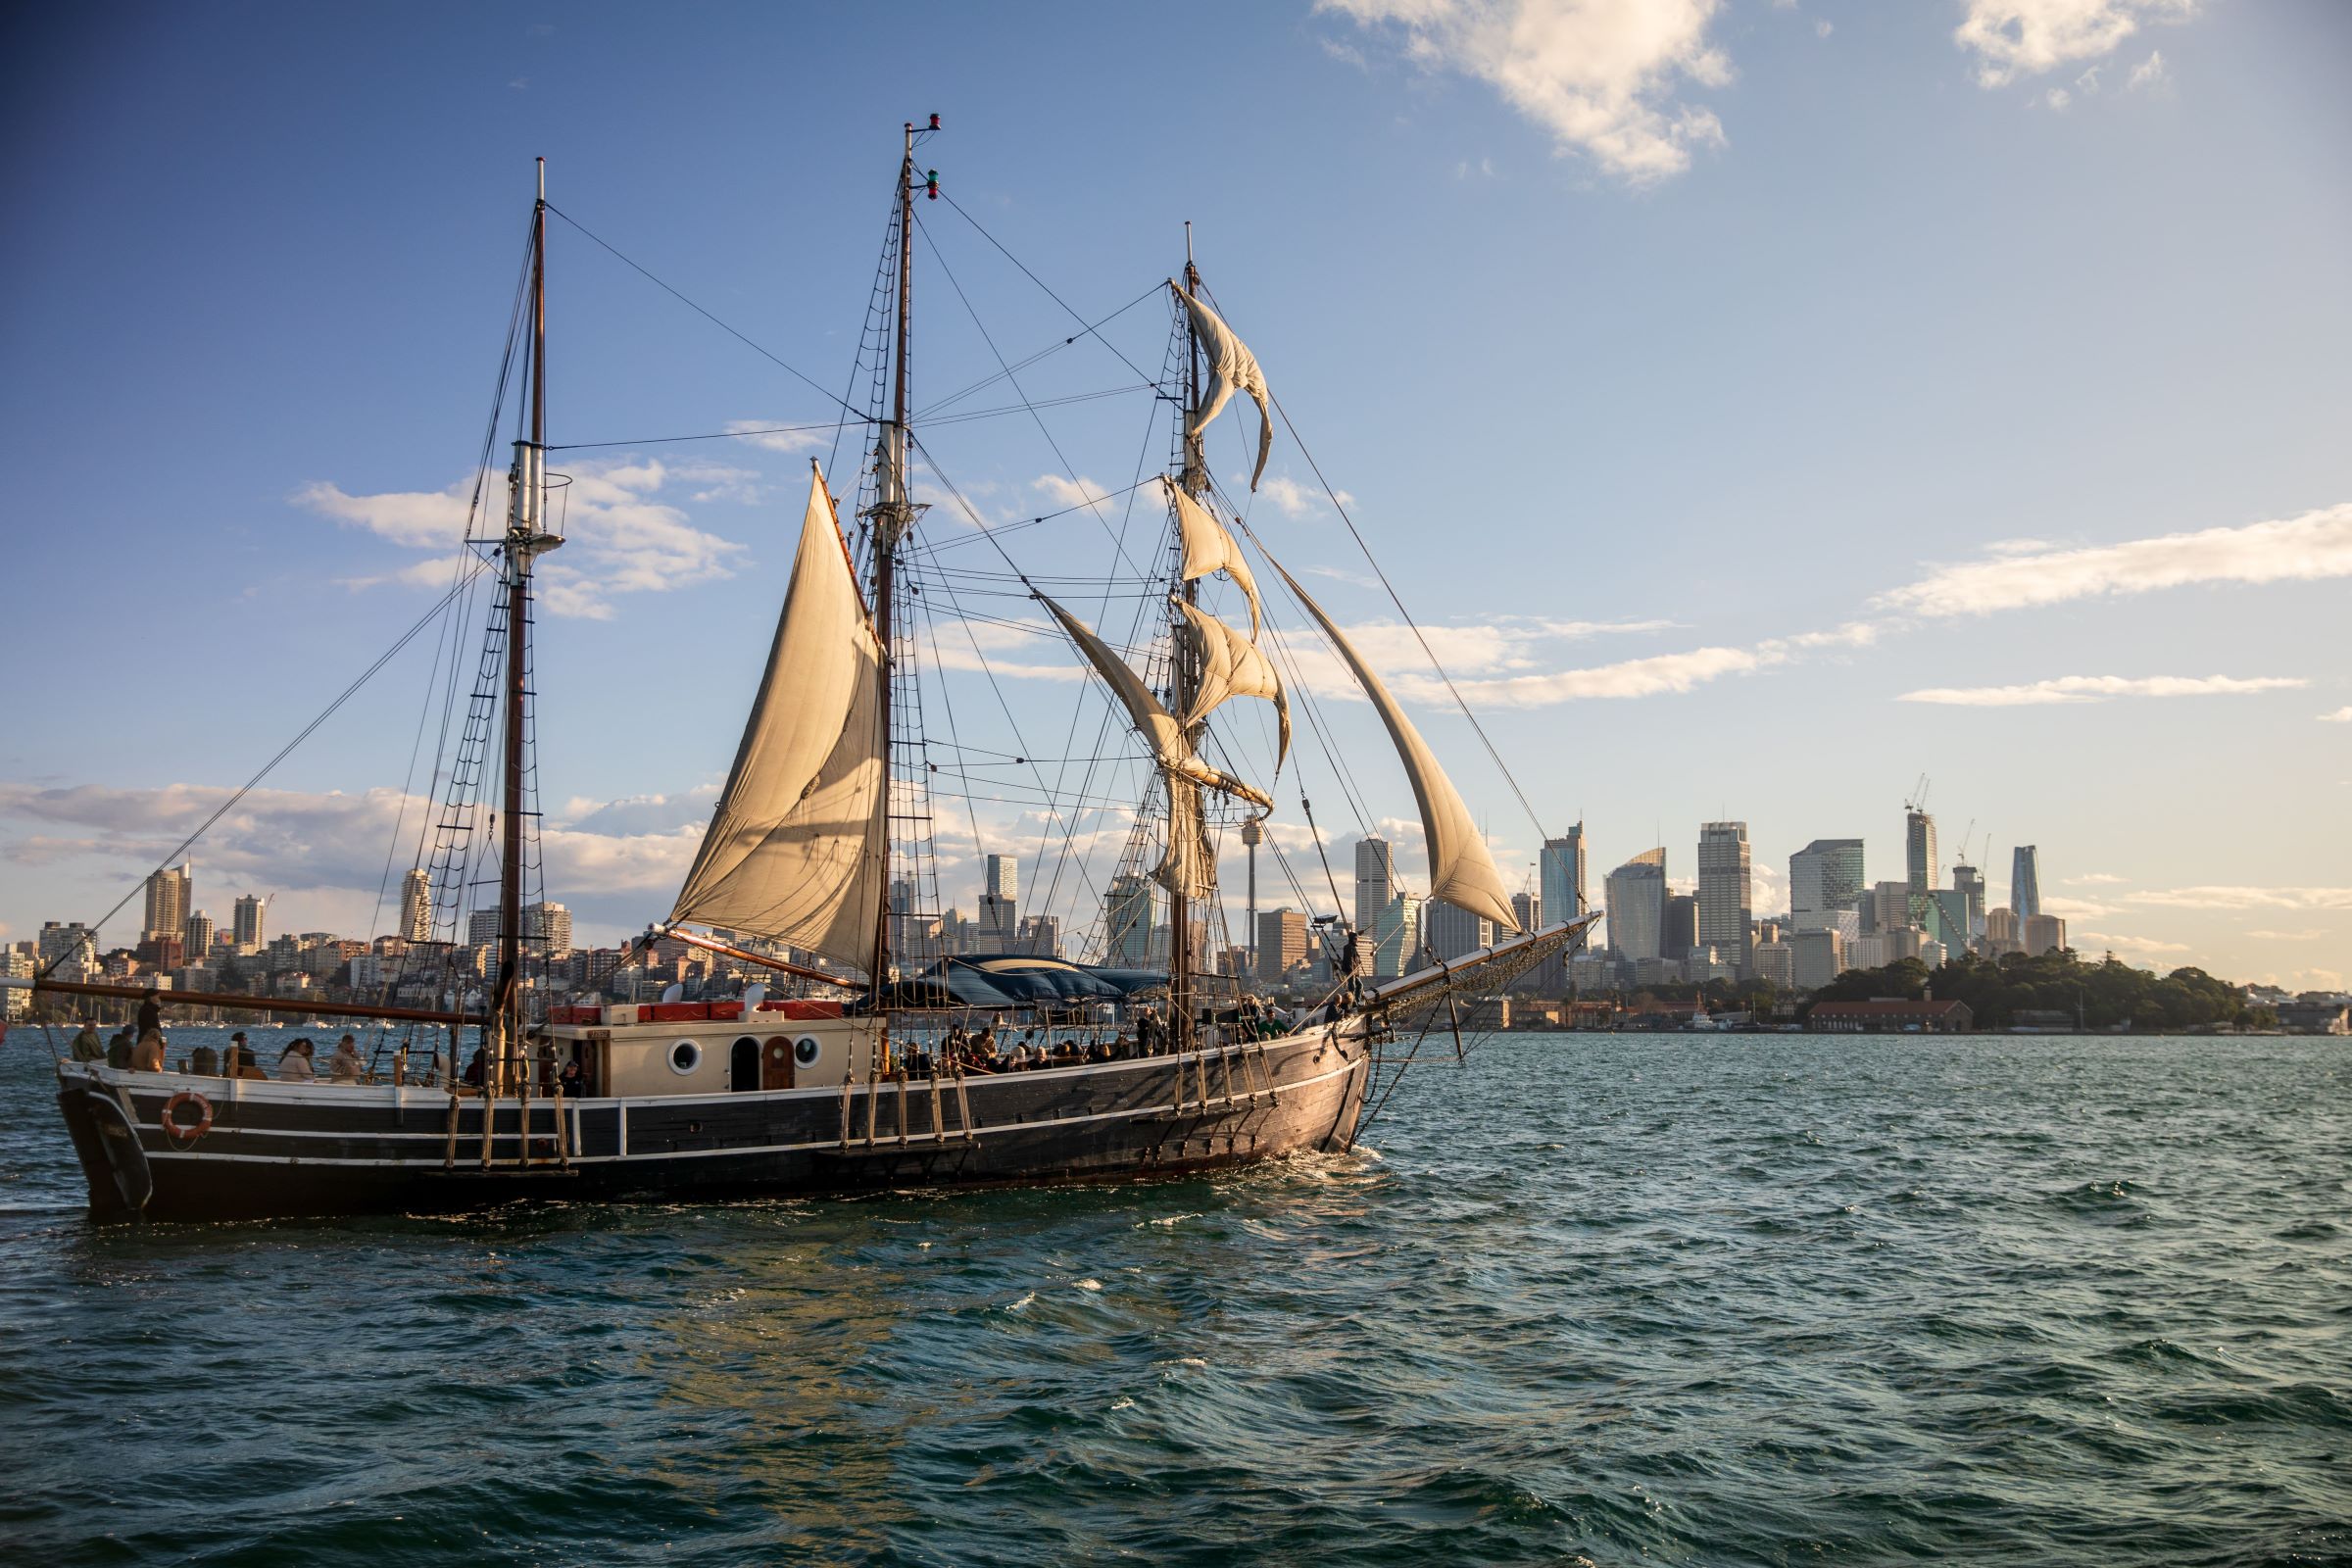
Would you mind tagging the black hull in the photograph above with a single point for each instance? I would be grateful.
(280, 1152)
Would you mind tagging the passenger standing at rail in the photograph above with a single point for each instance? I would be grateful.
(150, 1016)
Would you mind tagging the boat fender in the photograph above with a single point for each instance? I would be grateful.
(185, 1134)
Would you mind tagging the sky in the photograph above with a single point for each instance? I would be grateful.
(1758, 407)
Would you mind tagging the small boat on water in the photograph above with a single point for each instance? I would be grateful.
(816, 850)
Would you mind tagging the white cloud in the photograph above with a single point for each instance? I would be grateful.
(2058, 98)
(1631, 677)
(2099, 688)
(2015, 38)
(2126, 943)
(1601, 76)
(774, 436)
(1068, 494)
(2314, 546)
(2076, 908)
(2309, 934)
(619, 538)
(2238, 898)
(2149, 74)
(2342, 716)
(2095, 879)
(1291, 498)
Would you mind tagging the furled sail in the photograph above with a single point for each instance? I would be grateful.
(1188, 871)
(1231, 666)
(796, 850)
(1461, 871)
(1231, 366)
(1210, 546)
(1154, 722)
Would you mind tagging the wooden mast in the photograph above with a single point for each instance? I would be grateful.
(1183, 677)
(525, 540)
(892, 518)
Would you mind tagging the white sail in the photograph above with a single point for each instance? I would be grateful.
(1232, 666)
(1461, 871)
(1154, 723)
(796, 850)
(1210, 546)
(1231, 366)
(1188, 871)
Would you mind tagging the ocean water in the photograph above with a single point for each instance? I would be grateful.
(1593, 1298)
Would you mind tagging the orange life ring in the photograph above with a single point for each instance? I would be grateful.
(183, 1134)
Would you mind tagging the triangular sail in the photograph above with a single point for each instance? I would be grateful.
(1231, 366)
(1461, 871)
(1210, 546)
(796, 850)
(1154, 722)
(1231, 666)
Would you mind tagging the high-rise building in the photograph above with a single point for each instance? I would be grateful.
(1681, 926)
(1824, 877)
(1374, 881)
(2043, 933)
(246, 923)
(2024, 881)
(1968, 883)
(197, 937)
(482, 929)
(2001, 931)
(1454, 933)
(1563, 881)
(167, 903)
(416, 904)
(1890, 908)
(1129, 910)
(1820, 957)
(1041, 935)
(1776, 964)
(1636, 897)
(999, 903)
(67, 950)
(1280, 943)
(1919, 863)
(1725, 893)
(547, 928)
(1528, 910)
(1397, 939)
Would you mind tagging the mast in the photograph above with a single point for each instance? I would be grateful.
(1184, 678)
(892, 518)
(527, 539)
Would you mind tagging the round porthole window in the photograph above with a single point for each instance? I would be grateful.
(684, 1057)
(804, 1050)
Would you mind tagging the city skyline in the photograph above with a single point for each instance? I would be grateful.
(2046, 528)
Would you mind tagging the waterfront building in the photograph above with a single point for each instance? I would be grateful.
(169, 899)
(1281, 942)
(1453, 933)
(1000, 904)
(1867, 952)
(1397, 939)
(416, 904)
(1562, 882)
(1681, 926)
(1726, 892)
(1817, 957)
(1636, 897)
(67, 950)
(196, 938)
(1775, 962)
(1889, 1017)
(1130, 907)
(16, 964)
(1375, 880)
(2024, 881)
(2042, 933)
(1824, 878)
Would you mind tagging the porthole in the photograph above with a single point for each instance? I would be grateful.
(804, 1050)
(685, 1056)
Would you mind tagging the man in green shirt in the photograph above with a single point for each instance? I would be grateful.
(86, 1043)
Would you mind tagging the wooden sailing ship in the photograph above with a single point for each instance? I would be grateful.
(846, 1086)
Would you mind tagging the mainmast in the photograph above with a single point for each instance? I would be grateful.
(1184, 677)
(527, 539)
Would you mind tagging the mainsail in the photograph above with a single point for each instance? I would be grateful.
(1169, 748)
(1230, 665)
(1231, 366)
(1461, 871)
(796, 849)
(1210, 546)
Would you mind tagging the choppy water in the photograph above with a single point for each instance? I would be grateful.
(1740, 1300)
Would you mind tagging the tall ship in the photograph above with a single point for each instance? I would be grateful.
(869, 1055)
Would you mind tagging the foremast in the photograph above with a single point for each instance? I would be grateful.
(527, 539)
(1184, 667)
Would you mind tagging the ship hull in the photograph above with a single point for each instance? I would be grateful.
(275, 1150)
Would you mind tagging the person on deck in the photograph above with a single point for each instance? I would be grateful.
(150, 1016)
(86, 1045)
(205, 1062)
(148, 1054)
(244, 1065)
(572, 1084)
(294, 1064)
(345, 1065)
(474, 1068)
(118, 1049)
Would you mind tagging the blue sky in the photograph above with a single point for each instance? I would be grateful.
(1762, 405)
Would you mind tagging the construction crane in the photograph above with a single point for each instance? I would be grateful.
(1917, 799)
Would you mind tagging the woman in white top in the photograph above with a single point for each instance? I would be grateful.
(294, 1063)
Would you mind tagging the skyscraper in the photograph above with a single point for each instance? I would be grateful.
(547, 928)
(1280, 943)
(1129, 910)
(198, 944)
(1919, 861)
(1374, 881)
(1682, 925)
(1968, 883)
(1000, 904)
(1563, 879)
(1453, 933)
(1824, 877)
(416, 904)
(167, 903)
(1636, 895)
(2024, 881)
(245, 928)
(1726, 895)
(1397, 938)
